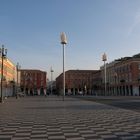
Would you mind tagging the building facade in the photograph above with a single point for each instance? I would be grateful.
(33, 82)
(76, 82)
(9, 74)
(96, 83)
(123, 76)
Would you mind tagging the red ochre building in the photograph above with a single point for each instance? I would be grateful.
(33, 82)
(76, 82)
(122, 79)
(123, 76)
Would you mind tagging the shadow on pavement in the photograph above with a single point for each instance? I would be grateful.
(129, 104)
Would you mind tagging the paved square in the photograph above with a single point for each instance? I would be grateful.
(50, 118)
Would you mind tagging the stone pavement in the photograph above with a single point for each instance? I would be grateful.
(50, 118)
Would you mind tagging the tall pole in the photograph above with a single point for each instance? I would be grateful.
(17, 77)
(51, 79)
(2, 77)
(105, 75)
(17, 66)
(63, 42)
(63, 72)
(3, 55)
(104, 58)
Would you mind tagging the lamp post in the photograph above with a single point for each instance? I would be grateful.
(63, 42)
(18, 67)
(51, 79)
(24, 76)
(3, 53)
(115, 76)
(104, 58)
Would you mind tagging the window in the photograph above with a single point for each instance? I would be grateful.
(128, 68)
(130, 77)
(139, 66)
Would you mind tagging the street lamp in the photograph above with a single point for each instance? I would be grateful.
(18, 67)
(63, 42)
(51, 79)
(104, 58)
(3, 53)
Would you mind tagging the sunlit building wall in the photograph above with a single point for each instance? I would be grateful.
(9, 76)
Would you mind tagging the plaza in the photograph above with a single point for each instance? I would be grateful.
(51, 118)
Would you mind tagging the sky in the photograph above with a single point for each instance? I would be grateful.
(30, 30)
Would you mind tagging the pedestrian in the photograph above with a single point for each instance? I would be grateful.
(16, 95)
(45, 94)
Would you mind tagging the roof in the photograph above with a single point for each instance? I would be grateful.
(82, 70)
(32, 70)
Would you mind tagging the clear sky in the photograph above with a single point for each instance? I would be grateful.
(30, 30)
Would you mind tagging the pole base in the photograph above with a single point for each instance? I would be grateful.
(1, 100)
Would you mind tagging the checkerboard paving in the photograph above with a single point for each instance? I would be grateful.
(40, 118)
